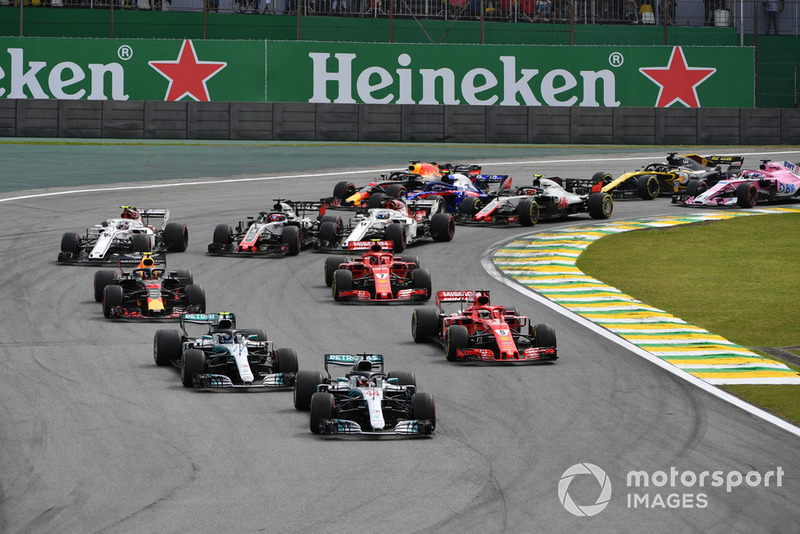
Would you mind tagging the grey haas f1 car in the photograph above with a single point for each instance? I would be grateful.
(136, 230)
(225, 356)
(365, 401)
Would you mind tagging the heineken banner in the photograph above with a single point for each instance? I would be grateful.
(255, 71)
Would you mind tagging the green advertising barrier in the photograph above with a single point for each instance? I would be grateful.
(606, 76)
(258, 71)
(132, 69)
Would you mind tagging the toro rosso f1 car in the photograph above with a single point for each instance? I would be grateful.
(483, 332)
(285, 230)
(770, 183)
(226, 356)
(135, 231)
(456, 188)
(148, 291)
(544, 199)
(657, 178)
(365, 401)
(377, 276)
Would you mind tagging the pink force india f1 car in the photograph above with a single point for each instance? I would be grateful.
(377, 276)
(483, 332)
(770, 183)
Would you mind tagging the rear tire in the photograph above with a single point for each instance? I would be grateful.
(332, 264)
(323, 406)
(648, 187)
(424, 324)
(286, 361)
(71, 242)
(411, 259)
(330, 232)
(443, 227)
(258, 332)
(376, 200)
(746, 195)
(396, 191)
(176, 237)
(404, 378)
(342, 281)
(291, 237)
(600, 205)
(421, 279)
(305, 385)
(167, 345)
(396, 233)
(185, 276)
(528, 211)
(457, 337)
(193, 363)
(140, 243)
(102, 279)
(342, 190)
(113, 296)
(469, 206)
(423, 408)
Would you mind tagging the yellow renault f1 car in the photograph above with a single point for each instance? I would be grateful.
(657, 178)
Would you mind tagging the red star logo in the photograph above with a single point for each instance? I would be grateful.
(187, 75)
(677, 81)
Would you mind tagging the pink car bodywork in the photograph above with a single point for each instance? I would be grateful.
(771, 182)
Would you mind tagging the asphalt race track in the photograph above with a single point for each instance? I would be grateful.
(95, 438)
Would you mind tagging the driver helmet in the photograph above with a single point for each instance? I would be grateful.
(382, 216)
(276, 217)
(373, 260)
(484, 314)
(225, 338)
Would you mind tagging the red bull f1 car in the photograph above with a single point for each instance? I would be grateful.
(135, 230)
(377, 276)
(148, 291)
(483, 332)
(365, 401)
(772, 182)
(225, 356)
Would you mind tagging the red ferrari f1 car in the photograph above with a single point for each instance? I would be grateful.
(483, 332)
(377, 276)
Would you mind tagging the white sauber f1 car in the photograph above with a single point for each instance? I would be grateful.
(399, 222)
(544, 199)
(365, 401)
(136, 230)
(226, 356)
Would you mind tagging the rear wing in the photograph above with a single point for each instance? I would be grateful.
(302, 206)
(368, 245)
(139, 257)
(461, 296)
(350, 360)
(469, 170)
(482, 181)
(160, 214)
(792, 167)
(207, 318)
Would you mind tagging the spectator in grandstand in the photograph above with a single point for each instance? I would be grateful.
(630, 11)
(772, 8)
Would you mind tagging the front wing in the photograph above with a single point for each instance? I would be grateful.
(409, 428)
(402, 295)
(217, 381)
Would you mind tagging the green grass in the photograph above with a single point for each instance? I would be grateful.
(738, 278)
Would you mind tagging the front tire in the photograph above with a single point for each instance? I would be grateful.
(305, 385)
(469, 206)
(528, 211)
(140, 243)
(443, 227)
(286, 361)
(71, 242)
(323, 406)
(223, 234)
(291, 237)
(343, 190)
(396, 233)
(332, 264)
(193, 363)
(342, 281)
(648, 187)
(113, 297)
(545, 335)
(423, 408)
(421, 279)
(196, 296)
(600, 205)
(167, 345)
(457, 337)
(746, 195)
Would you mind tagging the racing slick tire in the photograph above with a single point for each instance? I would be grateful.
(424, 324)
(222, 234)
(305, 385)
(258, 332)
(196, 296)
(323, 406)
(396, 191)
(376, 200)
(746, 195)
(528, 211)
(411, 259)
(102, 279)
(696, 187)
(342, 190)
(404, 378)
(286, 361)
(421, 279)
(71, 242)
(648, 187)
(600, 205)
(396, 233)
(185, 276)
(544, 335)
(469, 206)
(332, 263)
(113, 296)
(330, 232)
(167, 345)
(140, 243)
(423, 408)
(457, 337)
(329, 218)
(443, 227)
(342, 281)
(193, 363)
(176, 237)
(291, 236)
(601, 178)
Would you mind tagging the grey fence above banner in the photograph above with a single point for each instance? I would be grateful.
(398, 123)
